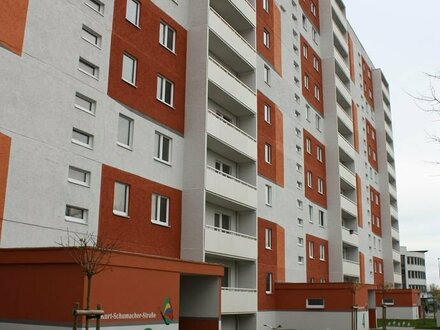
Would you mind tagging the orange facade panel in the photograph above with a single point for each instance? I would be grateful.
(355, 126)
(361, 267)
(367, 79)
(359, 200)
(378, 271)
(5, 150)
(317, 267)
(376, 221)
(152, 61)
(351, 58)
(269, 22)
(311, 9)
(13, 14)
(372, 145)
(270, 140)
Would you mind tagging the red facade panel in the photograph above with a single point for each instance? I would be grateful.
(378, 271)
(314, 163)
(137, 233)
(372, 145)
(317, 266)
(5, 150)
(13, 14)
(311, 75)
(351, 58)
(376, 221)
(311, 9)
(359, 200)
(153, 60)
(270, 133)
(367, 79)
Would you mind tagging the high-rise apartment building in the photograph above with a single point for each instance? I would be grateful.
(254, 134)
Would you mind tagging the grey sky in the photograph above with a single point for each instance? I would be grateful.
(402, 38)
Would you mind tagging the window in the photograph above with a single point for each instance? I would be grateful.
(314, 36)
(268, 195)
(298, 149)
(160, 209)
(222, 167)
(318, 122)
(268, 283)
(308, 113)
(299, 185)
(96, 5)
(266, 38)
(315, 63)
(320, 186)
(132, 13)
(311, 247)
(299, 203)
(319, 153)
(313, 8)
(308, 146)
(120, 199)
(304, 22)
(267, 114)
(388, 301)
(222, 221)
(78, 176)
(125, 131)
(322, 252)
(91, 36)
(310, 213)
(268, 238)
(225, 278)
(317, 93)
(266, 75)
(301, 260)
(165, 90)
(88, 68)
(167, 36)
(305, 51)
(268, 153)
(321, 218)
(300, 222)
(163, 148)
(129, 64)
(81, 138)
(76, 214)
(309, 179)
(84, 103)
(306, 81)
(299, 168)
(300, 241)
(315, 303)
(266, 5)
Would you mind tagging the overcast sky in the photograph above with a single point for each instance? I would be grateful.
(402, 38)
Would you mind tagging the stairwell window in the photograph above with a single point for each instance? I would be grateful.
(82, 138)
(132, 12)
(120, 199)
(129, 64)
(266, 76)
(85, 103)
(163, 147)
(76, 214)
(125, 132)
(165, 90)
(167, 36)
(91, 36)
(268, 238)
(268, 153)
(88, 68)
(96, 5)
(160, 210)
(78, 176)
(268, 195)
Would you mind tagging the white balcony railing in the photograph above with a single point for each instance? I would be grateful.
(246, 9)
(342, 63)
(350, 236)
(341, 38)
(231, 85)
(347, 175)
(394, 233)
(229, 243)
(231, 135)
(345, 118)
(350, 268)
(390, 150)
(393, 212)
(396, 255)
(349, 206)
(231, 188)
(340, 14)
(238, 300)
(346, 146)
(391, 170)
(393, 191)
(343, 90)
(232, 38)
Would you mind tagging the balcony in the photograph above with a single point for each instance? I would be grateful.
(348, 205)
(393, 212)
(390, 151)
(394, 233)
(342, 65)
(229, 140)
(341, 40)
(228, 243)
(350, 236)
(347, 175)
(340, 14)
(239, 301)
(388, 130)
(346, 147)
(387, 110)
(385, 91)
(350, 268)
(398, 278)
(393, 191)
(396, 255)
(343, 91)
(228, 91)
(230, 192)
(240, 13)
(391, 170)
(345, 118)
(229, 45)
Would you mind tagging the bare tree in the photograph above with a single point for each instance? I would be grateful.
(435, 292)
(92, 256)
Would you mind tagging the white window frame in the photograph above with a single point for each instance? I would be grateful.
(321, 252)
(88, 68)
(269, 277)
(305, 51)
(310, 213)
(161, 90)
(299, 204)
(320, 186)
(266, 5)
(164, 30)
(317, 93)
(300, 241)
(321, 218)
(266, 72)
(309, 179)
(91, 109)
(126, 197)
(308, 146)
(319, 153)
(301, 260)
(91, 36)
(268, 238)
(306, 81)
(267, 113)
(268, 195)
(133, 20)
(82, 220)
(95, 5)
(314, 306)
(156, 205)
(158, 148)
(313, 8)
(88, 145)
(266, 38)
(311, 245)
(268, 153)
(315, 63)
(130, 132)
(318, 122)
(300, 222)
(85, 182)
(131, 79)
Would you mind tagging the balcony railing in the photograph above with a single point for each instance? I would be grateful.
(232, 125)
(231, 177)
(230, 232)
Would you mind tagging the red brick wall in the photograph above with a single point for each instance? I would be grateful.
(316, 268)
(312, 164)
(377, 267)
(402, 297)
(376, 221)
(137, 233)
(315, 76)
(152, 60)
(306, 6)
(367, 79)
(371, 145)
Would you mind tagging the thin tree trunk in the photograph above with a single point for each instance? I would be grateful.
(89, 290)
